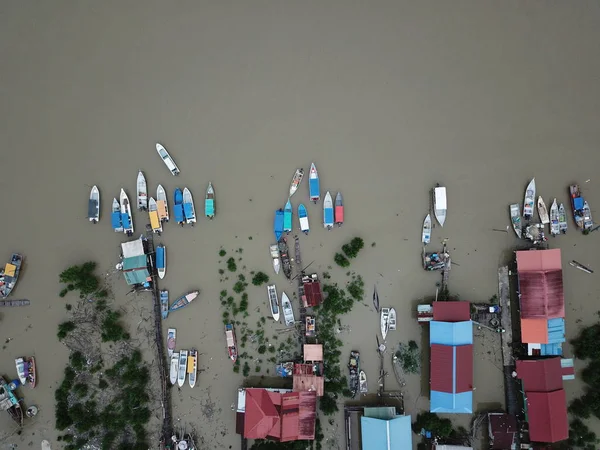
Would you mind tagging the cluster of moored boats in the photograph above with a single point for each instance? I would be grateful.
(9, 401)
(358, 377)
(286, 306)
(184, 363)
(440, 208)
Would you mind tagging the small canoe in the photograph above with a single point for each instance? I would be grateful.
(542, 211)
(188, 207)
(183, 301)
(126, 217)
(362, 378)
(385, 317)
(392, 320)
(182, 372)
(178, 206)
(192, 367)
(328, 211)
(31, 371)
(554, 224)
(273, 301)
(278, 224)
(162, 205)
(231, 342)
(426, 233)
(288, 311)
(164, 303)
(375, 299)
(115, 217)
(166, 157)
(303, 218)
(209, 202)
(339, 209)
(515, 218)
(588, 223)
(155, 221)
(296, 180)
(171, 340)
(313, 184)
(287, 217)
(174, 368)
(562, 219)
(161, 261)
(94, 205)
(142, 192)
(529, 200)
(440, 204)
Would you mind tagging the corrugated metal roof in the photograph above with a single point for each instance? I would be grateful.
(451, 333)
(451, 311)
(536, 260)
(551, 350)
(442, 368)
(463, 366)
(542, 294)
(547, 414)
(132, 248)
(556, 330)
(133, 277)
(312, 292)
(502, 429)
(380, 412)
(393, 434)
(534, 331)
(313, 352)
(540, 375)
(443, 402)
(309, 383)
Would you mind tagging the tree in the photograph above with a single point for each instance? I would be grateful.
(260, 278)
(586, 344)
(341, 260)
(580, 435)
(328, 404)
(432, 422)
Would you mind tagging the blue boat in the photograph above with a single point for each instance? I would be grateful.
(278, 224)
(209, 202)
(161, 261)
(188, 207)
(328, 211)
(303, 217)
(287, 217)
(164, 303)
(115, 217)
(178, 207)
(313, 184)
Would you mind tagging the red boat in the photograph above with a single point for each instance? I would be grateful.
(339, 210)
(231, 343)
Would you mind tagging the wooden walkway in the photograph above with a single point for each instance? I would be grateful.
(508, 360)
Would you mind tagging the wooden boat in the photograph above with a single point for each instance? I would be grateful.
(231, 342)
(288, 311)
(397, 366)
(171, 340)
(115, 216)
(426, 233)
(328, 211)
(94, 205)
(311, 326)
(10, 275)
(278, 224)
(375, 299)
(161, 261)
(287, 217)
(392, 320)
(10, 403)
(142, 192)
(13, 303)
(285, 258)
(169, 162)
(515, 218)
(31, 371)
(303, 218)
(126, 218)
(339, 209)
(354, 369)
(164, 303)
(275, 257)
(580, 266)
(162, 205)
(296, 180)
(562, 219)
(313, 184)
(588, 223)
(183, 301)
(182, 372)
(192, 367)
(209, 202)
(273, 301)
(385, 322)
(188, 207)
(155, 221)
(178, 206)
(529, 200)
(21, 370)
(543, 211)
(362, 379)
(554, 224)
(174, 369)
(297, 250)
(440, 204)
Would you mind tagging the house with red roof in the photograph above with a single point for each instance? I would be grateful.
(312, 291)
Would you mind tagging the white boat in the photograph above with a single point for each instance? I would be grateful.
(426, 235)
(562, 219)
(142, 192)
(328, 211)
(288, 311)
(126, 217)
(275, 257)
(362, 380)
(192, 367)
(529, 200)
(174, 368)
(385, 321)
(515, 218)
(276, 265)
(171, 340)
(303, 218)
(94, 205)
(440, 204)
(162, 204)
(588, 223)
(182, 372)
(188, 207)
(296, 180)
(392, 320)
(161, 260)
(554, 223)
(543, 211)
(155, 221)
(169, 162)
(21, 370)
(273, 301)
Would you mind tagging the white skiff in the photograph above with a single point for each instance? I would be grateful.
(426, 234)
(94, 205)
(554, 223)
(126, 217)
(142, 192)
(169, 162)
(543, 211)
(440, 204)
(174, 370)
(392, 320)
(188, 207)
(529, 200)
(515, 218)
(385, 321)
(273, 301)
(182, 368)
(288, 311)
(192, 367)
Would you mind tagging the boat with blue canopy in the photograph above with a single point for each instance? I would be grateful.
(188, 207)
(209, 202)
(126, 218)
(278, 224)
(161, 261)
(115, 217)
(287, 217)
(313, 184)
(328, 211)
(178, 206)
(303, 217)
(164, 303)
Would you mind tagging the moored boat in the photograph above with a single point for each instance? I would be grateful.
(392, 320)
(296, 180)
(162, 204)
(31, 372)
(126, 218)
(287, 217)
(26, 371)
(288, 311)
(426, 233)
(515, 218)
(303, 218)
(328, 211)
(192, 367)
(10, 274)
(183, 301)
(275, 257)
(313, 184)
(155, 221)
(543, 211)
(164, 303)
(588, 223)
(535, 233)
(171, 340)
(440, 204)
(21, 370)
(339, 209)
(94, 205)
(161, 261)
(182, 372)
(385, 322)
(115, 217)
(10, 403)
(554, 223)
(178, 206)
(188, 207)
(209, 202)
(529, 200)
(142, 192)
(354, 369)
(577, 203)
(362, 378)
(273, 301)
(297, 250)
(375, 299)
(231, 342)
(166, 157)
(174, 369)
(562, 219)
(278, 224)
(284, 253)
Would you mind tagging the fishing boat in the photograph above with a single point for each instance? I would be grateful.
(155, 221)
(577, 203)
(174, 369)
(515, 218)
(285, 258)
(94, 205)
(275, 257)
(440, 205)
(296, 180)
(142, 192)
(162, 205)
(554, 223)
(192, 367)
(178, 206)
(313, 184)
(426, 233)
(297, 250)
(278, 224)
(21, 370)
(588, 223)
(10, 403)
(183, 301)
(164, 303)
(303, 218)
(26, 371)
(328, 211)
(209, 202)
(362, 379)
(231, 342)
(288, 311)
(31, 371)
(10, 275)
(339, 209)
(287, 217)
(535, 233)
(273, 301)
(169, 162)
(182, 372)
(543, 211)
(354, 369)
(385, 322)
(580, 266)
(529, 200)
(562, 219)
(115, 217)
(188, 207)
(161, 260)
(392, 320)
(171, 340)
(375, 299)
(126, 218)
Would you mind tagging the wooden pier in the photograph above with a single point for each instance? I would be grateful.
(506, 338)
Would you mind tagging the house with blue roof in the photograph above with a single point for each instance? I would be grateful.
(383, 431)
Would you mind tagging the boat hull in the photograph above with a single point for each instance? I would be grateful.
(174, 368)
(426, 232)
(314, 184)
(543, 211)
(328, 219)
(188, 207)
(94, 205)
(296, 180)
(339, 210)
(440, 204)
(126, 217)
(554, 224)
(515, 218)
(142, 192)
(162, 204)
(161, 261)
(278, 224)
(167, 159)
(231, 342)
(171, 341)
(209, 202)
(178, 206)
(288, 311)
(10, 275)
(529, 200)
(273, 301)
(303, 219)
(385, 316)
(287, 217)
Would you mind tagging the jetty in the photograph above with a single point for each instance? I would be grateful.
(506, 338)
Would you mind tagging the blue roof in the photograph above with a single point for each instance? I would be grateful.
(328, 215)
(126, 220)
(278, 224)
(135, 262)
(160, 257)
(178, 211)
(556, 330)
(442, 402)
(551, 349)
(115, 220)
(379, 434)
(209, 207)
(188, 210)
(451, 333)
(313, 185)
(578, 202)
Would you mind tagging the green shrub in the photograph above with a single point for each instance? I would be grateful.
(64, 329)
(231, 265)
(260, 278)
(341, 260)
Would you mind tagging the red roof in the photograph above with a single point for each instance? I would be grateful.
(312, 292)
(502, 429)
(451, 368)
(547, 413)
(541, 284)
(451, 311)
(464, 368)
(540, 375)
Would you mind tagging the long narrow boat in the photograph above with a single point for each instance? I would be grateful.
(354, 369)
(339, 209)
(275, 257)
(155, 221)
(183, 301)
(297, 250)
(296, 180)
(115, 217)
(588, 223)
(174, 369)
(142, 192)
(188, 207)
(162, 204)
(161, 260)
(426, 232)
(543, 211)
(192, 367)
(440, 204)
(288, 311)
(10, 274)
(303, 218)
(580, 266)
(126, 217)
(529, 200)
(375, 299)
(14, 303)
(31, 372)
(231, 342)
(94, 205)
(515, 218)
(278, 224)
(562, 219)
(287, 217)
(171, 340)
(178, 206)
(328, 211)
(392, 319)
(313, 184)
(362, 378)
(385, 322)
(181, 373)
(554, 222)
(21, 370)
(164, 303)
(284, 253)
(273, 301)
(166, 157)
(10, 403)
(209, 202)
